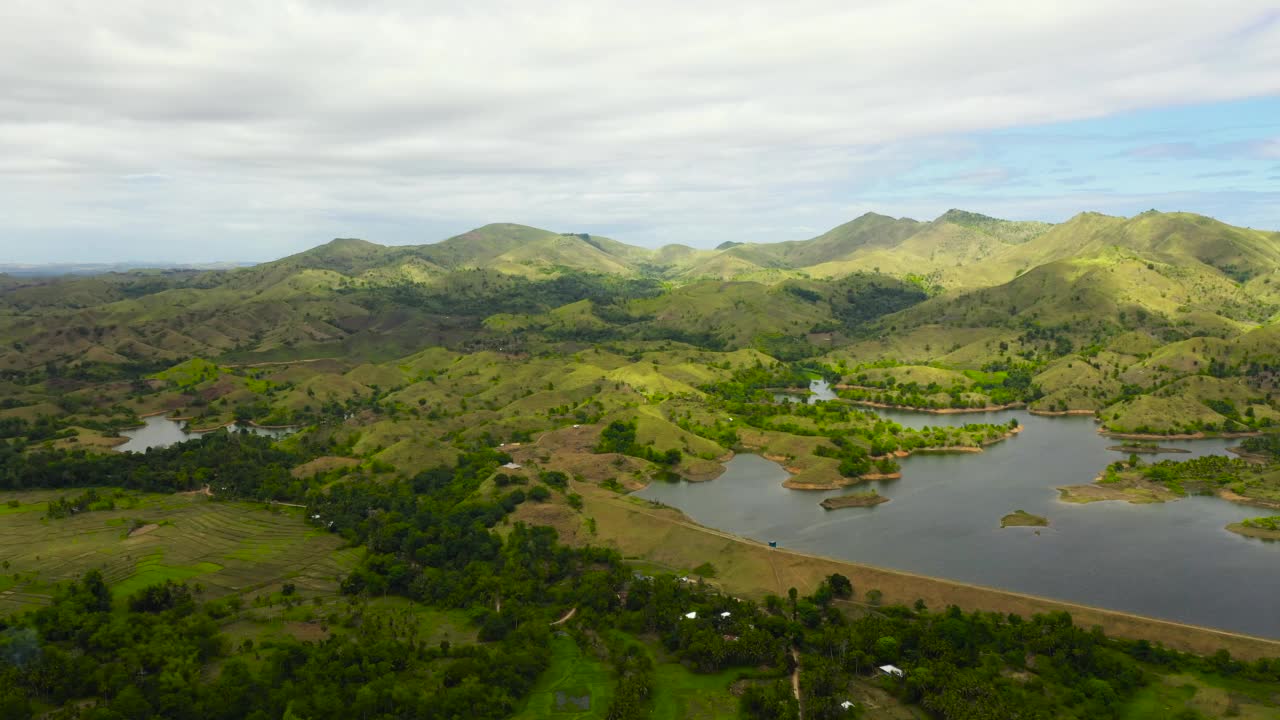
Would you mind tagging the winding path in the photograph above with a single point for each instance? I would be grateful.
(566, 617)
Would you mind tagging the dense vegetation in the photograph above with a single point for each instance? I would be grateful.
(1271, 523)
(237, 464)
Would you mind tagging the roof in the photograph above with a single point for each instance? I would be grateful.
(846, 704)
(512, 466)
(891, 670)
(724, 614)
(692, 615)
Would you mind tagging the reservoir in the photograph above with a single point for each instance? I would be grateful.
(1172, 560)
(159, 431)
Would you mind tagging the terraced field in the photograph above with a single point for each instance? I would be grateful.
(226, 547)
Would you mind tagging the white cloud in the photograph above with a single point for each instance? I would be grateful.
(1269, 148)
(278, 125)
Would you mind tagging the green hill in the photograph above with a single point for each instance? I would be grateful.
(1098, 309)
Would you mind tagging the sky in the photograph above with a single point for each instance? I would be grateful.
(245, 131)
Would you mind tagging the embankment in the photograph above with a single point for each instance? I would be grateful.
(752, 569)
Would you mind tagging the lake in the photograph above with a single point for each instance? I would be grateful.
(1173, 560)
(160, 431)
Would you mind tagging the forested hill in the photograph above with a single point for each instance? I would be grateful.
(1105, 312)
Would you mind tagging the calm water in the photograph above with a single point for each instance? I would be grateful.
(1172, 560)
(160, 431)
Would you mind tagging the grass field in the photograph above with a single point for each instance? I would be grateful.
(679, 693)
(575, 686)
(325, 616)
(1212, 697)
(225, 547)
(580, 686)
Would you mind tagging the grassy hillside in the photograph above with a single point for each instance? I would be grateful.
(1099, 310)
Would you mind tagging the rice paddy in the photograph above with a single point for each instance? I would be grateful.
(225, 547)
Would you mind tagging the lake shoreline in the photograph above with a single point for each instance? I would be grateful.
(1144, 450)
(940, 523)
(933, 411)
(778, 567)
(844, 482)
(1249, 456)
(847, 482)
(1252, 532)
(869, 499)
(184, 432)
(1140, 491)
(1022, 518)
(1200, 435)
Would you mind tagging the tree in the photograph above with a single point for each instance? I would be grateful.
(887, 649)
(840, 585)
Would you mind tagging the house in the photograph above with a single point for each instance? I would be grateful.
(724, 614)
(846, 705)
(511, 466)
(891, 670)
(691, 615)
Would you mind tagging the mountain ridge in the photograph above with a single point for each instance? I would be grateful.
(958, 249)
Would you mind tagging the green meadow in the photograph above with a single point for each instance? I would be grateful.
(225, 547)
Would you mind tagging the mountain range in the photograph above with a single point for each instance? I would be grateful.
(958, 249)
(961, 291)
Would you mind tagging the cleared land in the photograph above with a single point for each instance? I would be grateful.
(226, 547)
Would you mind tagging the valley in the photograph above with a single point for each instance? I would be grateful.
(514, 424)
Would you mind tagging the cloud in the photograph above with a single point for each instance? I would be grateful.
(1224, 174)
(984, 177)
(145, 177)
(1077, 180)
(1165, 151)
(279, 125)
(1268, 148)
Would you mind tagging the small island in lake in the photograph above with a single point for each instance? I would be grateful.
(1263, 528)
(862, 499)
(1022, 518)
(1145, 448)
